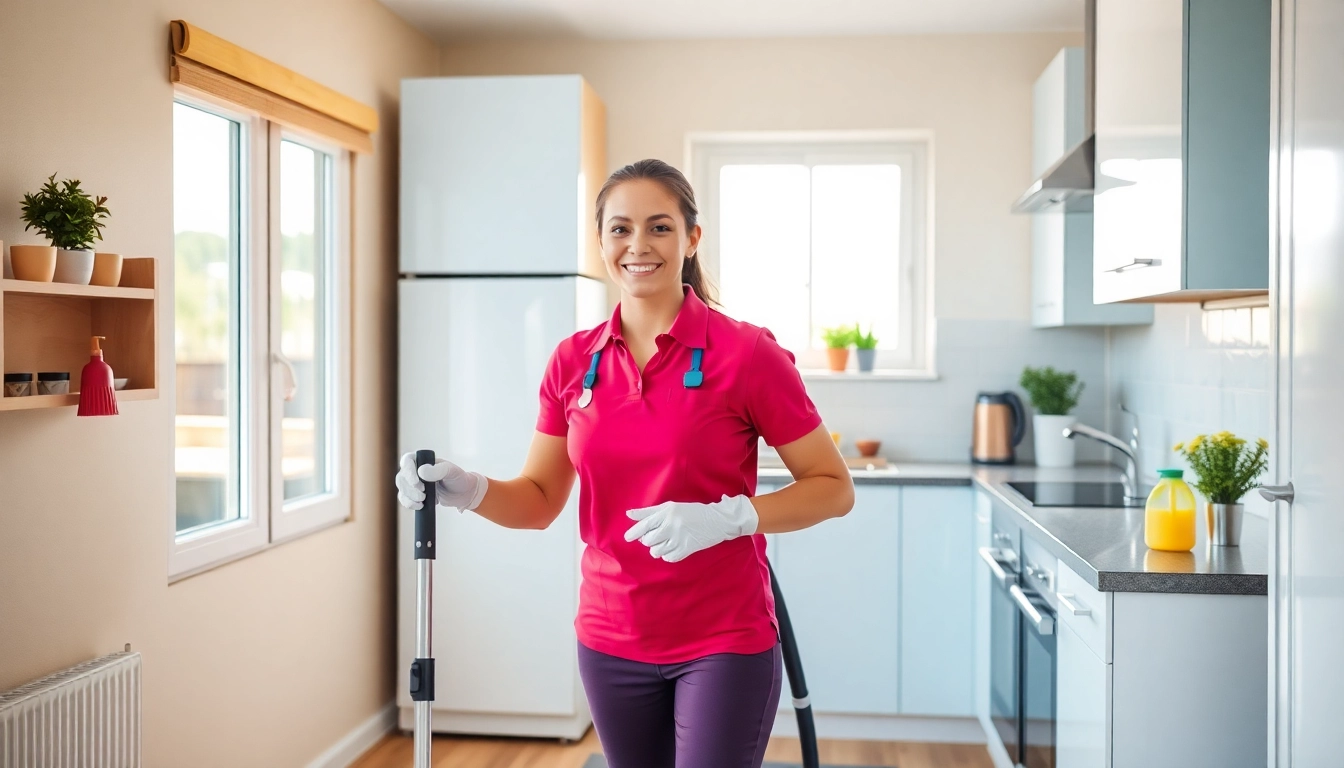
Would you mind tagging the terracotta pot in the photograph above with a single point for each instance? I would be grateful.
(868, 447)
(837, 359)
(75, 267)
(33, 262)
(106, 269)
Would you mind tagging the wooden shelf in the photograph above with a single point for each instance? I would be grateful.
(68, 289)
(46, 327)
(61, 401)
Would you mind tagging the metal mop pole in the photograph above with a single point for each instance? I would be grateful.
(422, 669)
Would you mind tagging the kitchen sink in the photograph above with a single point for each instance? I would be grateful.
(1078, 494)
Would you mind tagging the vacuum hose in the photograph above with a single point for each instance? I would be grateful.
(793, 665)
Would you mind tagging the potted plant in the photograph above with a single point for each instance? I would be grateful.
(1053, 395)
(837, 341)
(72, 220)
(865, 348)
(1226, 469)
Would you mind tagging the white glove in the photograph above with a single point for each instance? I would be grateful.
(675, 530)
(453, 486)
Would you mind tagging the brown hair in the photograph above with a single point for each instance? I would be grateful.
(676, 185)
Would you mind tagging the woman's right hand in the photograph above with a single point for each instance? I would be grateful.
(453, 486)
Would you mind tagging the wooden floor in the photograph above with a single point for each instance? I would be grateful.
(451, 752)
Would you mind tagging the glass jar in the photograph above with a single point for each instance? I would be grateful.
(18, 384)
(53, 383)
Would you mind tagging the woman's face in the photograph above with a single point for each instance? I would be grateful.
(644, 239)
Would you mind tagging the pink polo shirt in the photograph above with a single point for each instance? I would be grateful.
(646, 439)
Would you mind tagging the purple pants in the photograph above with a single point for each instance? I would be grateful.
(712, 712)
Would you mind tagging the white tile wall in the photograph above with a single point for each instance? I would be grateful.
(931, 420)
(1193, 372)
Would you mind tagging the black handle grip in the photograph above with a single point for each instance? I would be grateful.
(1019, 417)
(424, 516)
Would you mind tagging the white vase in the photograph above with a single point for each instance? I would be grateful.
(74, 266)
(1053, 449)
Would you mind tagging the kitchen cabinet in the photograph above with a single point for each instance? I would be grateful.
(1083, 697)
(1181, 201)
(937, 605)
(1061, 242)
(983, 537)
(841, 582)
(499, 155)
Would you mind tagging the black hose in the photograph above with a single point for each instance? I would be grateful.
(807, 730)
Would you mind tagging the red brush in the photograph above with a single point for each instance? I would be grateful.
(96, 396)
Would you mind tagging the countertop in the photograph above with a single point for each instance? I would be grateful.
(1103, 545)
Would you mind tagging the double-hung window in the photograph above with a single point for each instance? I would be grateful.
(261, 218)
(804, 232)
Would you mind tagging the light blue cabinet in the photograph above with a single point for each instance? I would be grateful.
(937, 601)
(1082, 697)
(984, 530)
(841, 582)
(1181, 207)
(1061, 243)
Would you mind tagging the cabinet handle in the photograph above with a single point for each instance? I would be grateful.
(991, 558)
(1274, 493)
(1137, 264)
(1043, 624)
(1065, 599)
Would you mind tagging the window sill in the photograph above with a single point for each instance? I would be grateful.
(879, 374)
(243, 554)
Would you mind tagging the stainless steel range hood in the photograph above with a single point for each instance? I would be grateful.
(1068, 184)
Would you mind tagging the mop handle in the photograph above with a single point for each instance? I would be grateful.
(422, 668)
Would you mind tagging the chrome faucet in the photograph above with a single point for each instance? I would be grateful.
(1130, 452)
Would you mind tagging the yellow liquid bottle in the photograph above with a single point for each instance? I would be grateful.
(1169, 520)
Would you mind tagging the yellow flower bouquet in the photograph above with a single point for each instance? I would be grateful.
(1226, 467)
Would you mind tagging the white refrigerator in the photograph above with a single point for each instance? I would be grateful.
(474, 342)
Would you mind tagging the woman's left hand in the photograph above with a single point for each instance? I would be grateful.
(675, 530)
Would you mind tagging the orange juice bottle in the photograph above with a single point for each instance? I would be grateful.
(1169, 520)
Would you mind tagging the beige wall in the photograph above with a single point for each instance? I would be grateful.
(270, 660)
(972, 92)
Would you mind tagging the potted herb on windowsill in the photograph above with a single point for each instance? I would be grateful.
(1226, 469)
(865, 349)
(1053, 395)
(837, 341)
(72, 220)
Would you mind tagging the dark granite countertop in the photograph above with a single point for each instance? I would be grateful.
(1103, 545)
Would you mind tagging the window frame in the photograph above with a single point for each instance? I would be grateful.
(707, 153)
(269, 521)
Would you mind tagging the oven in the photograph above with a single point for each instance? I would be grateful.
(1022, 657)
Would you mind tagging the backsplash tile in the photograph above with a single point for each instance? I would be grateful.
(1193, 372)
(931, 420)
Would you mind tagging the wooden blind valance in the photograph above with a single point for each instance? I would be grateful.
(219, 68)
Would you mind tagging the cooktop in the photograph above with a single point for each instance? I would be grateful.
(1077, 494)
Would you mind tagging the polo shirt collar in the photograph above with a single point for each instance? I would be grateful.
(690, 327)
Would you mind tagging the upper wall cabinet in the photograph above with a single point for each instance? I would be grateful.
(499, 175)
(1181, 207)
(1061, 242)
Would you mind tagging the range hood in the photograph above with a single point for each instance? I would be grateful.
(1068, 184)
(1065, 186)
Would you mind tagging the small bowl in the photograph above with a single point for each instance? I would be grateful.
(868, 447)
(119, 384)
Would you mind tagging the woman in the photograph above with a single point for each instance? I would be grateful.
(660, 410)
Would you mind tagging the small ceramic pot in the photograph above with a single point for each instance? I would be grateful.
(106, 269)
(18, 384)
(868, 447)
(33, 262)
(1053, 449)
(837, 359)
(53, 383)
(866, 359)
(74, 267)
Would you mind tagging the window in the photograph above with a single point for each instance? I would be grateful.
(262, 431)
(803, 233)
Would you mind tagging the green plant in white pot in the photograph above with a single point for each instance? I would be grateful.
(865, 348)
(72, 220)
(1054, 394)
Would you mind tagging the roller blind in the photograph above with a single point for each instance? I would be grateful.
(214, 66)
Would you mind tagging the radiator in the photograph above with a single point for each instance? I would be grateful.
(87, 716)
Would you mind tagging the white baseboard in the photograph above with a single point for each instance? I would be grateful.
(360, 740)
(952, 730)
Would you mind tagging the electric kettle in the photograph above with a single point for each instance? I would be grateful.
(998, 426)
